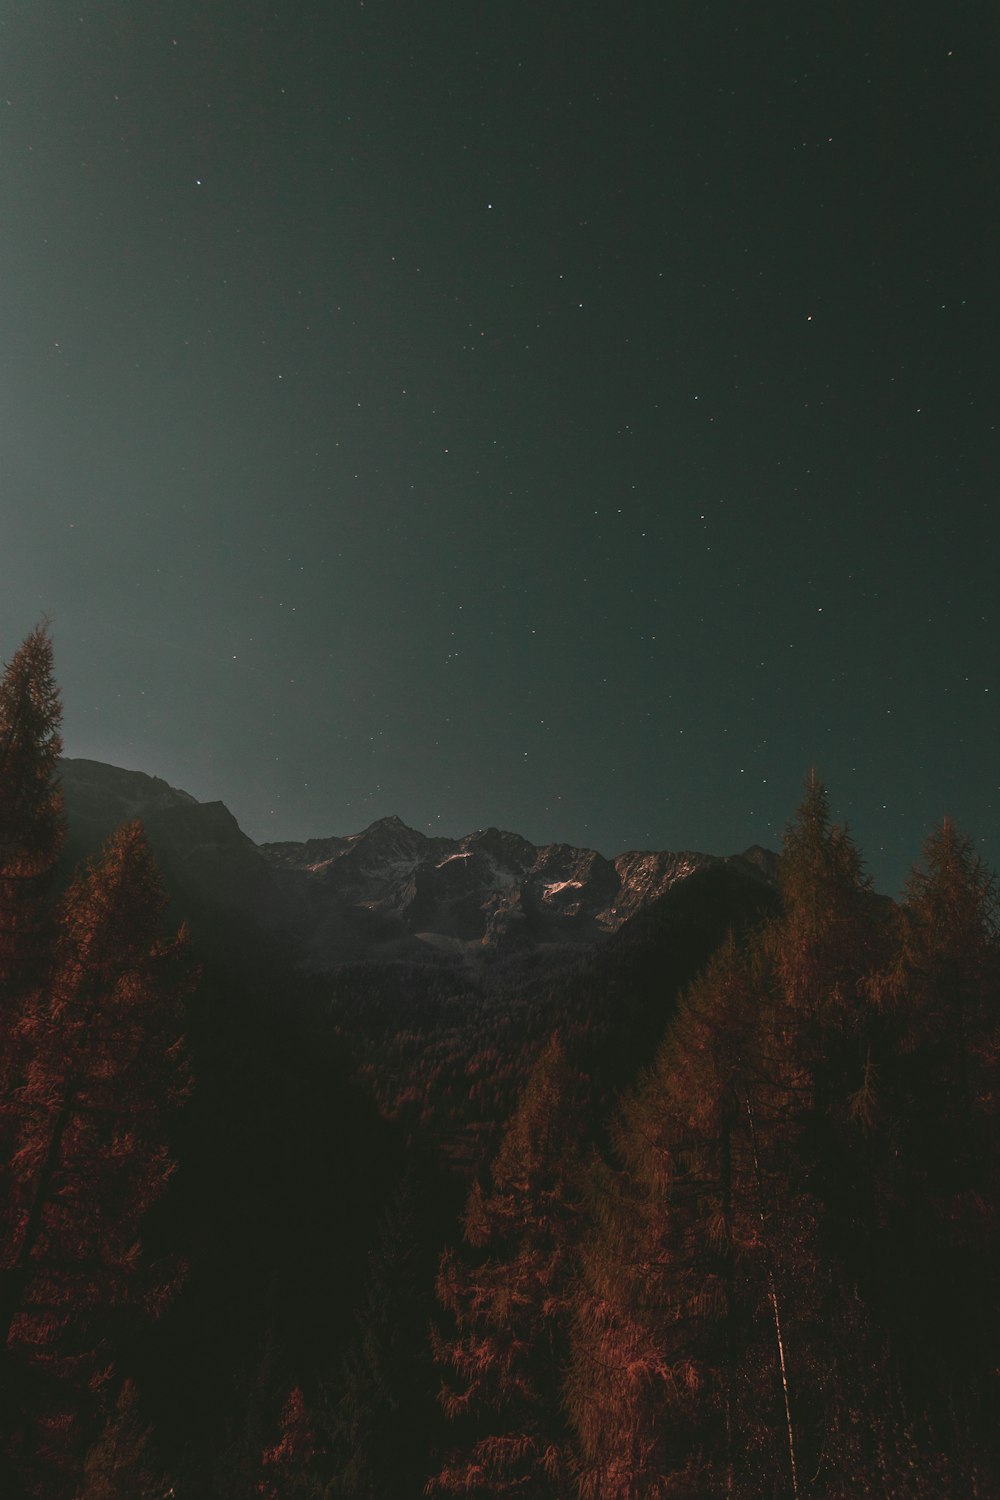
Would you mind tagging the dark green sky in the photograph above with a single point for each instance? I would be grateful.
(579, 418)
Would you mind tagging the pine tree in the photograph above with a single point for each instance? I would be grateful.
(510, 1308)
(31, 818)
(824, 931)
(104, 1070)
(818, 1046)
(670, 1330)
(629, 1392)
(701, 1352)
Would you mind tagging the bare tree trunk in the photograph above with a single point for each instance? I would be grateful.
(772, 1290)
(726, 1176)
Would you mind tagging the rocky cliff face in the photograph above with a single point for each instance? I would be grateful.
(389, 890)
(490, 889)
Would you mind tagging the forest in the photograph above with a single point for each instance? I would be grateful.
(708, 1213)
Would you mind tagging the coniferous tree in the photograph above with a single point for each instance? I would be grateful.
(104, 1067)
(670, 1328)
(806, 1131)
(31, 816)
(510, 1308)
(629, 1392)
(701, 1362)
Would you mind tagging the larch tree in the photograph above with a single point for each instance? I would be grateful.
(104, 1067)
(509, 1306)
(674, 1374)
(630, 1388)
(31, 813)
(806, 1111)
(699, 1365)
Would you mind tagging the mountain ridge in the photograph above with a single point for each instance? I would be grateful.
(387, 890)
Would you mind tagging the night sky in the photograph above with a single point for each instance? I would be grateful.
(580, 418)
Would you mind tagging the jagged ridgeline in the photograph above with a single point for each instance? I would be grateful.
(390, 892)
(383, 1165)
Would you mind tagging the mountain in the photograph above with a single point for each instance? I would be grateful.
(394, 889)
(389, 891)
(209, 866)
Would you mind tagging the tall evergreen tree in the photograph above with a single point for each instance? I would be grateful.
(673, 1357)
(806, 1112)
(701, 1363)
(31, 817)
(510, 1308)
(104, 1068)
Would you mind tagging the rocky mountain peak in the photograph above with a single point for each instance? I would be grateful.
(389, 890)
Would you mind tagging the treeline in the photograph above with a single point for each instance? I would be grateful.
(729, 1226)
